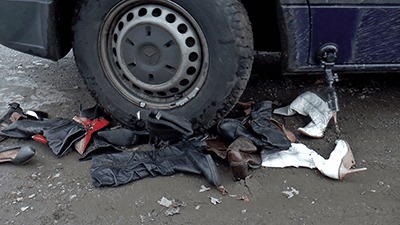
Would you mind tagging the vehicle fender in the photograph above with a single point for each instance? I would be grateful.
(37, 27)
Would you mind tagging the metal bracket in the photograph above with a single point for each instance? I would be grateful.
(327, 56)
(331, 77)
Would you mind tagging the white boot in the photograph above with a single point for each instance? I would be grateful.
(298, 155)
(340, 162)
(309, 104)
(336, 167)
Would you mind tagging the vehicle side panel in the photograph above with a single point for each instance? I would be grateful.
(294, 24)
(365, 31)
(36, 27)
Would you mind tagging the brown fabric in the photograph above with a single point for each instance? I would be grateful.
(217, 146)
(243, 144)
(240, 154)
(290, 135)
(238, 165)
(245, 106)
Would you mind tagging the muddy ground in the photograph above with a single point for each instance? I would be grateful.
(54, 190)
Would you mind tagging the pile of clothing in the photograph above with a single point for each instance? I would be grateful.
(245, 142)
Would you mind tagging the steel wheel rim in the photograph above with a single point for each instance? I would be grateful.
(155, 54)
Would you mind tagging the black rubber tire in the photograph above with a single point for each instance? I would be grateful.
(222, 63)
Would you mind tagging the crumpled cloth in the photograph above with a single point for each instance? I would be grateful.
(166, 127)
(60, 133)
(298, 155)
(264, 134)
(116, 169)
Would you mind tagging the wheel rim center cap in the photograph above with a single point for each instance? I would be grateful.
(150, 55)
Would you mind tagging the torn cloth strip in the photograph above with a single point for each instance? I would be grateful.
(116, 169)
(60, 133)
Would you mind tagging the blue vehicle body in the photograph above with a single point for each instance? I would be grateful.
(366, 32)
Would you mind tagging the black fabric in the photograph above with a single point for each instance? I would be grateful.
(123, 137)
(264, 134)
(98, 146)
(114, 140)
(13, 107)
(168, 127)
(273, 137)
(60, 133)
(185, 156)
(93, 112)
(230, 129)
(5, 121)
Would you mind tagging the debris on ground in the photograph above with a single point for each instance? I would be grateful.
(290, 192)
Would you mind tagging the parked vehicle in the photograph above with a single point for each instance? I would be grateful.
(193, 58)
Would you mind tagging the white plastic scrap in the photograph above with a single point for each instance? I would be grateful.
(72, 197)
(292, 192)
(142, 218)
(173, 206)
(215, 200)
(165, 202)
(172, 211)
(32, 196)
(23, 209)
(204, 188)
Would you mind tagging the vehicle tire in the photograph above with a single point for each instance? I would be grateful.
(190, 58)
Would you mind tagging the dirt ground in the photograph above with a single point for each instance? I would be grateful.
(59, 190)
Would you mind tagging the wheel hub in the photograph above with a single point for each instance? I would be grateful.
(150, 55)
